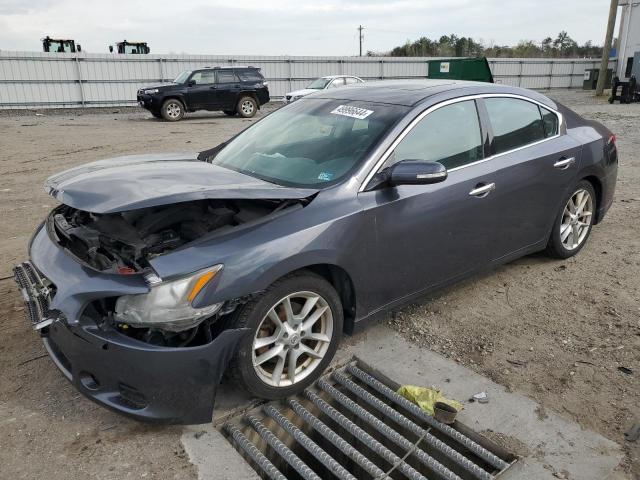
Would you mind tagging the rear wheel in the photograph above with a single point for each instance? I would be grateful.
(247, 107)
(172, 110)
(295, 330)
(573, 224)
(231, 113)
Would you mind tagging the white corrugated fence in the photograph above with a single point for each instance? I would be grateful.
(54, 80)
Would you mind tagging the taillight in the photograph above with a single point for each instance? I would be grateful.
(612, 140)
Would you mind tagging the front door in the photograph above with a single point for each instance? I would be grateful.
(200, 92)
(426, 235)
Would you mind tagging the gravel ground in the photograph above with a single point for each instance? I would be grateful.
(556, 331)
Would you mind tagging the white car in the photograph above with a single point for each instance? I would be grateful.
(322, 83)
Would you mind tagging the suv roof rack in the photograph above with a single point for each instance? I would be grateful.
(232, 66)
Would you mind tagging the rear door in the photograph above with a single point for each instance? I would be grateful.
(227, 89)
(533, 167)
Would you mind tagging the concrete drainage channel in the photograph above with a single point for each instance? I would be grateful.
(352, 425)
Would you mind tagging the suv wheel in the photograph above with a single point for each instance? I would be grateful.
(573, 224)
(247, 107)
(295, 330)
(172, 110)
(231, 113)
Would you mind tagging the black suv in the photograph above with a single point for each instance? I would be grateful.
(234, 90)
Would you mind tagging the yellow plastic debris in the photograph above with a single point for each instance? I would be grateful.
(426, 398)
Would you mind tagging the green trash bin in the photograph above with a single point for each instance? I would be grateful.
(591, 78)
(475, 69)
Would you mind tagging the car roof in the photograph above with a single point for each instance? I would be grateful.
(412, 92)
(339, 76)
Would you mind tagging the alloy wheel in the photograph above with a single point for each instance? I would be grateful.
(247, 107)
(576, 219)
(173, 110)
(292, 339)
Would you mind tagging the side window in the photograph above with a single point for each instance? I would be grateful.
(515, 123)
(203, 78)
(550, 122)
(449, 135)
(337, 82)
(249, 76)
(226, 76)
(351, 80)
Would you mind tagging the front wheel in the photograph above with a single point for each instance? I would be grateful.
(247, 107)
(295, 330)
(573, 224)
(172, 110)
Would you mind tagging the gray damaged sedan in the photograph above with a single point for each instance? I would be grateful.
(158, 274)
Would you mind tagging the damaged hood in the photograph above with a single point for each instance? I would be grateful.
(140, 181)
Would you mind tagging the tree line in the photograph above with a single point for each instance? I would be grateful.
(563, 46)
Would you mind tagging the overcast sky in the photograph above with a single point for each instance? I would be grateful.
(292, 27)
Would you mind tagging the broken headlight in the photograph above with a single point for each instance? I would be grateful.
(168, 305)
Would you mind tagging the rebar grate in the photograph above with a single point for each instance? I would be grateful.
(352, 425)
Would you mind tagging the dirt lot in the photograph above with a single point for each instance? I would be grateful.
(556, 331)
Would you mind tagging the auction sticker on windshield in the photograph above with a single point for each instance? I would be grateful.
(351, 111)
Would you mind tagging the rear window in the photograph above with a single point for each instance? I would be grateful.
(249, 75)
(515, 123)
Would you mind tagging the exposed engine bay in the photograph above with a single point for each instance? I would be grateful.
(124, 242)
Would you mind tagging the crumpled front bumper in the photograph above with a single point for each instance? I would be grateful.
(173, 385)
(148, 382)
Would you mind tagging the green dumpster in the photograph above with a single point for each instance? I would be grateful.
(591, 78)
(475, 69)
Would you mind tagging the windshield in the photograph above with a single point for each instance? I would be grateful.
(319, 83)
(310, 143)
(182, 77)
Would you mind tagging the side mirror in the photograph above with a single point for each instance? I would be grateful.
(79, 47)
(191, 83)
(416, 172)
(110, 48)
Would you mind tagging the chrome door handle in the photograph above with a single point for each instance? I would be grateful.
(564, 163)
(483, 191)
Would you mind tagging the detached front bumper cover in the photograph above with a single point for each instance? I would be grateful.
(144, 381)
(172, 385)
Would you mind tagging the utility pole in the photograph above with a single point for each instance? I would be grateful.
(602, 76)
(360, 36)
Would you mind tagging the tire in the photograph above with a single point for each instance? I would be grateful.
(231, 113)
(247, 107)
(172, 110)
(262, 380)
(572, 227)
